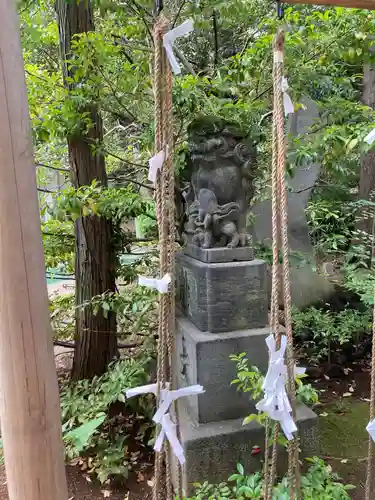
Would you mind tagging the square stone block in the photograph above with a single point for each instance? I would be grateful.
(221, 254)
(223, 296)
(213, 450)
(203, 358)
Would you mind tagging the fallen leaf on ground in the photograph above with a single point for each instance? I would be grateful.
(326, 377)
(255, 450)
(347, 394)
(324, 414)
(140, 477)
(106, 493)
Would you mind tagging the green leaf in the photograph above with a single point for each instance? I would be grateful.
(240, 469)
(249, 418)
(81, 436)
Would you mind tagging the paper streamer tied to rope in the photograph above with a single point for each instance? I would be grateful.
(161, 285)
(156, 163)
(169, 38)
(162, 415)
(276, 402)
(370, 138)
(288, 104)
(371, 429)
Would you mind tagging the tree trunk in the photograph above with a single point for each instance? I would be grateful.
(367, 176)
(96, 341)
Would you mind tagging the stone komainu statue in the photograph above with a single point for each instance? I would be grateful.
(221, 171)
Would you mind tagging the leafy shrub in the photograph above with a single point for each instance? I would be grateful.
(320, 332)
(98, 422)
(331, 225)
(320, 483)
(62, 308)
(361, 281)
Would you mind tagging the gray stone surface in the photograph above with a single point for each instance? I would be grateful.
(307, 285)
(213, 450)
(203, 358)
(221, 297)
(221, 254)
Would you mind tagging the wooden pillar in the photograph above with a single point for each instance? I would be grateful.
(29, 401)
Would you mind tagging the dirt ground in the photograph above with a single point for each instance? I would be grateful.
(343, 417)
(80, 489)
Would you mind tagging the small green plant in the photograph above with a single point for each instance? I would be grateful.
(250, 380)
(320, 483)
(98, 422)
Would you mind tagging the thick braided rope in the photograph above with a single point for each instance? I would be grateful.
(165, 186)
(170, 219)
(171, 256)
(293, 450)
(270, 473)
(370, 455)
(159, 487)
(275, 271)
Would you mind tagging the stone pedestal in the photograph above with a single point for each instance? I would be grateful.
(223, 311)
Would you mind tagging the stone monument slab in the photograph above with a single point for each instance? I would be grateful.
(307, 286)
(221, 297)
(203, 358)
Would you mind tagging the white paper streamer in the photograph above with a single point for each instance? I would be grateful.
(168, 430)
(162, 416)
(371, 429)
(144, 389)
(155, 164)
(161, 285)
(278, 56)
(171, 396)
(370, 138)
(288, 104)
(169, 38)
(276, 402)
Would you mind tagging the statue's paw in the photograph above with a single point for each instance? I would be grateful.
(231, 245)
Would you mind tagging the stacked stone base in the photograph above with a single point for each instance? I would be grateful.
(213, 450)
(224, 311)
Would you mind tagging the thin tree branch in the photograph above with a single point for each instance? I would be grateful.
(43, 190)
(71, 345)
(216, 38)
(43, 79)
(59, 235)
(131, 115)
(138, 13)
(184, 60)
(322, 184)
(106, 152)
(60, 169)
(128, 179)
(178, 13)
